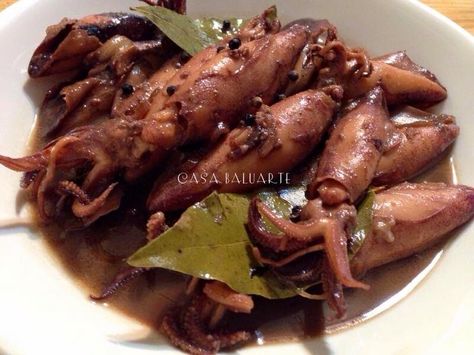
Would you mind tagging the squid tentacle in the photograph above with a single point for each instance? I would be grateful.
(171, 329)
(185, 328)
(82, 210)
(330, 228)
(333, 290)
(33, 162)
(71, 188)
(194, 328)
(286, 260)
(120, 280)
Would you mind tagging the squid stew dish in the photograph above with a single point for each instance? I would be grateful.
(233, 181)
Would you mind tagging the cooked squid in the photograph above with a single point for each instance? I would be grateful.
(117, 63)
(418, 139)
(280, 137)
(201, 109)
(140, 115)
(123, 77)
(406, 219)
(409, 218)
(134, 102)
(185, 327)
(403, 81)
(67, 43)
(352, 152)
(256, 28)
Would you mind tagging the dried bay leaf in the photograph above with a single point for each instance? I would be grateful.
(212, 27)
(363, 225)
(181, 29)
(209, 241)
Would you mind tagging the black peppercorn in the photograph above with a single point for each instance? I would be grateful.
(127, 89)
(257, 271)
(293, 75)
(295, 213)
(170, 90)
(225, 25)
(234, 43)
(249, 119)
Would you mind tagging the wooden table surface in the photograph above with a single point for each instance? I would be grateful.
(460, 11)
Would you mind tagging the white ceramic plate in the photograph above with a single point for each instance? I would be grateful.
(43, 312)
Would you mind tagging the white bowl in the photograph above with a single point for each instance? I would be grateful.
(42, 311)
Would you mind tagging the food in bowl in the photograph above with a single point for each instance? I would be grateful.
(264, 162)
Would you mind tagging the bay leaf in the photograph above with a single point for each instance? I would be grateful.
(194, 35)
(212, 27)
(294, 195)
(282, 203)
(209, 241)
(363, 224)
(181, 29)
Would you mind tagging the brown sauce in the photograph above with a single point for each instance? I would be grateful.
(93, 256)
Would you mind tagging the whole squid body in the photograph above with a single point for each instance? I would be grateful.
(409, 218)
(200, 109)
(67, 43)
(403, 81)
(281, 137)
(352, 152)
(416, 140)
(209, 102)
